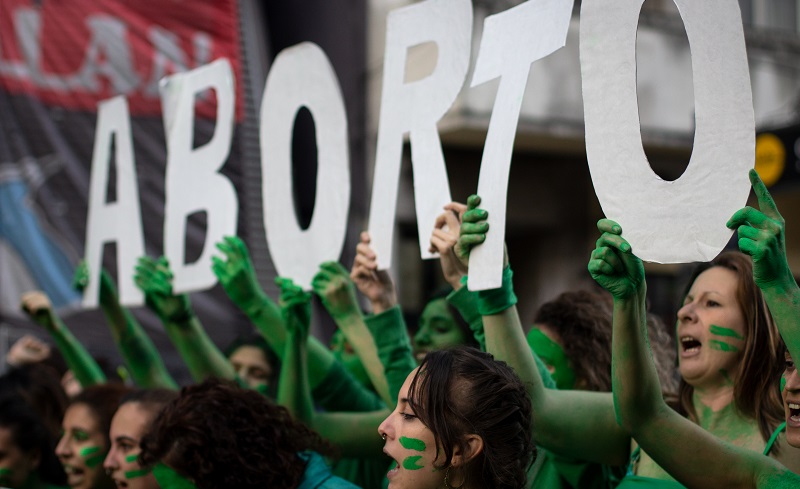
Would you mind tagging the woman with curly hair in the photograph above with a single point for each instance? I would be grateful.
(216, 434)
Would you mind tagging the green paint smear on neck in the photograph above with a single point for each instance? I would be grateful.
(726, 376)
(92, 456)
(167, 478)
(721, 331)
(133, 474)
(412, 444)
(410, 463)
(722, 346)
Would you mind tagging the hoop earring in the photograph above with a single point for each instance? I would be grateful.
(447, 484)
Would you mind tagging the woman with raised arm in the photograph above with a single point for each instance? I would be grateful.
(724, 360)
(689, 453)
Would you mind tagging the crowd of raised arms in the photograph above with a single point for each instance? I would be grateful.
(597, 394)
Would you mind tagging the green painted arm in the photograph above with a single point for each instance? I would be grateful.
(201, 355)
(762, 236)
(337, 292)
(37, 305)
(562, 425)
(294, 391)
(689, 453)
(237, 275)
(388, 331)
(137, 349)
(354, 433)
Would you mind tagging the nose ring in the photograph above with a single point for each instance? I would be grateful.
(383, 436)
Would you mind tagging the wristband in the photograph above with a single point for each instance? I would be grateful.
(495, 301)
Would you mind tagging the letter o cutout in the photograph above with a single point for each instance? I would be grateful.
(684, 220)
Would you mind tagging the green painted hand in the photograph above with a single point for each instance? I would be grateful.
(155, 279)
(473, 229)
(237, 274)
(762, 236)
(613, 266)
(295, 308)
(80, 280)
(376, 285)
(333, 285)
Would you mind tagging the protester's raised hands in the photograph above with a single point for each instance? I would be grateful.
(154, 278)
(295, 306)
(613, 265)
(237, 274)
(376, 285)
(761, 235)
(333, 285)
(444, 239)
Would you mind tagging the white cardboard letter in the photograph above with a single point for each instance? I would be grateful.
(302, 76)
(119, 221)
(512, 40)
(684, 220)
(193, 183)
(415, 108)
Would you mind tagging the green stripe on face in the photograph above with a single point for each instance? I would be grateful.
(92, 456)
(722, 346)
(132, 458)
(721, 331)
(412, 444)
(552, 354)
(411, 463)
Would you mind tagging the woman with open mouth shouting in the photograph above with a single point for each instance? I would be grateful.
(85, 442)
(729, 346)
(690, 454)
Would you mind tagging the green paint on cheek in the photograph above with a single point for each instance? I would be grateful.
(412, 444)
(720, 331)
(722, 346)
(132, 458)
(5, 473)
(411, 463)
(783, 383)
(92, 456)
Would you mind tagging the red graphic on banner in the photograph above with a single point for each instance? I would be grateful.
(76, 53)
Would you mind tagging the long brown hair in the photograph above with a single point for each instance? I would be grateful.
(755, 394)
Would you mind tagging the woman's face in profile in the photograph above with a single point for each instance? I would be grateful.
(410, 444)
(82, 449)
